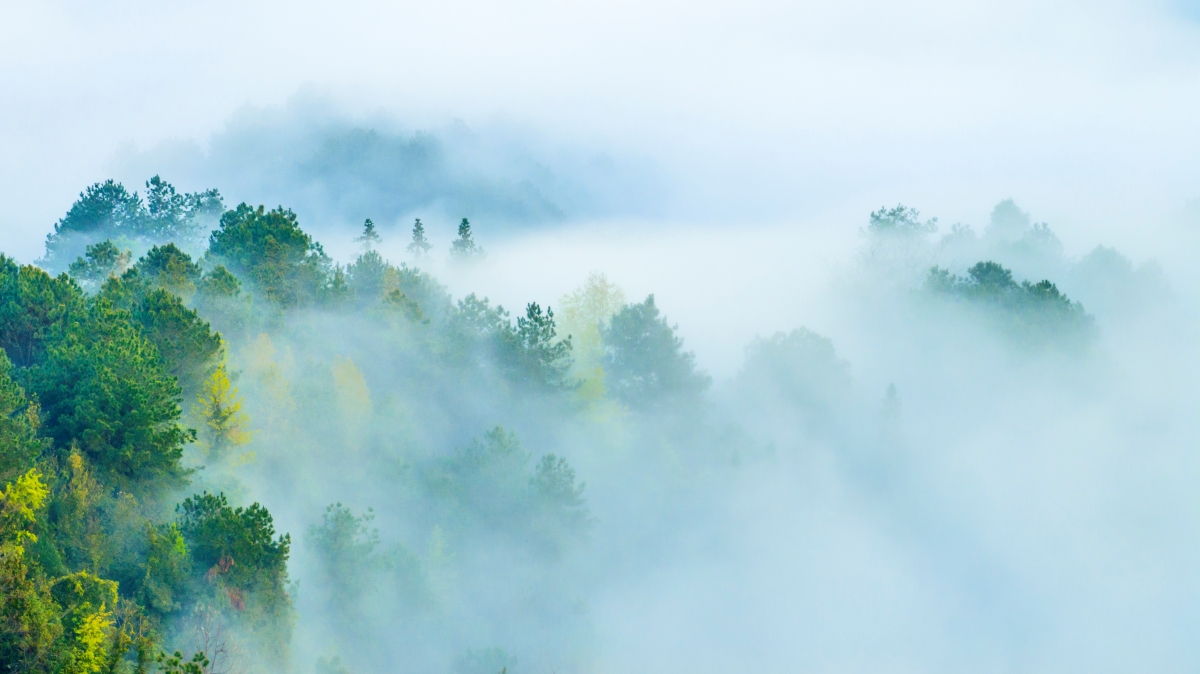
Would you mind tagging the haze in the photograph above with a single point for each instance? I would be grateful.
(883, 328)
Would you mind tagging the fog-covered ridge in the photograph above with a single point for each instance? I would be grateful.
(973, 451)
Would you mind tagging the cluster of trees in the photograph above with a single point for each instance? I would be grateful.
(109, 210)
(113, 372)
(1033, 311)
(120, 405)
(95, 571)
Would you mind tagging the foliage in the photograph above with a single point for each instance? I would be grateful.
(101, 261)
(464, 247)
(220, 407)
(170, 268)
(644, 360)
(20, 445)
(900, 221)
(107, 210)
(532, 353)
(35, 309)
(797, 375)
(587, 311)
(103, 386)
(419, 247)
(270, 250)
(369, 238)
(1036, 312)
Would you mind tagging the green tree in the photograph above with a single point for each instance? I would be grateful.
(35, 308)
(103, 385)
(101, 262)
(188, 346)
(103, 209)
(644, 362)
(243, 562)
(168, 267)
(20, 445)
(532, 353)
(1033, 312)
(419, 247)
(464, 246)
(369, 238)
(270, 250)
(367, 277)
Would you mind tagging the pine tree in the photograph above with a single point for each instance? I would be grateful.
(420, 245)
(370, 238)
(464, 246)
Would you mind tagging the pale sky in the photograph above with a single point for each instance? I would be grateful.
(772, 111)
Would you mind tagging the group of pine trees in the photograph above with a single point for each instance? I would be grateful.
(113, 369)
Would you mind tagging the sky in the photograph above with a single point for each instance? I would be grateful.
(754, 111)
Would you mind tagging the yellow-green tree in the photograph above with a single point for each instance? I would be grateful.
(221, 408)
(583, 313)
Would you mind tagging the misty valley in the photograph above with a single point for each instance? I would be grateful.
(222, 451)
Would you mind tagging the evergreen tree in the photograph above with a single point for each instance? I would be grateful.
(420, 245)
(644, 359)
(464, 246)
(101, 261)
(369, 238)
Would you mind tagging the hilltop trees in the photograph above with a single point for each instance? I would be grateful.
(269, 249)
(644, 360)
(369, 237)
(464, 247)
(420, 246)
(107, 210)
(1035, 312)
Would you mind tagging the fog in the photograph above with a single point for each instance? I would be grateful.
(870, 467)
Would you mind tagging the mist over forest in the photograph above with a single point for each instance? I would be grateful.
(599, 338)
(226, 451)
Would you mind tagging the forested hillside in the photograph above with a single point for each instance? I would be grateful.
(222, 451)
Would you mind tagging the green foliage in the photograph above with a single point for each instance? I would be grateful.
(175, 664)
(30, 629)
(237, 550)
(173, 216)
(103, 386)
(531, 353)
(900, 221)
(346, 547)
(168, 569)
(463, 247)
(367, 277)
(35, 309)
(559, 497)
(188, 347)
(419, 247)
(108, 210)
(1035, 312)
(101, 261)
(270, 250)
(219, 283)
(644, 360)
(490, 488)
(20, 445)
(369, 238)
(170, 268)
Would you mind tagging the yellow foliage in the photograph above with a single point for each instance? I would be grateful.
(221, 408)
(19, 502)
(89, 654)
(582, 315)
